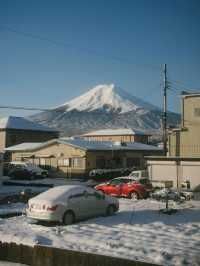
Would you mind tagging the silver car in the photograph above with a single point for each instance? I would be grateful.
(70, 203)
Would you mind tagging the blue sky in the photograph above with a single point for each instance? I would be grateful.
(95, 42)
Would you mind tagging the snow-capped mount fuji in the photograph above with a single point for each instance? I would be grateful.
(104, 106)
(107, 97)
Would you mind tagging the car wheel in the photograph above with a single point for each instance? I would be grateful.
(110, 210)
(68, 218)
(133, 196)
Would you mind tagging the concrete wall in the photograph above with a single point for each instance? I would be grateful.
(162, 170)
(176, 171)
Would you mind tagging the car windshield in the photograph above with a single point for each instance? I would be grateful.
(115, 182)
(144, 181)
(137, 175)
(127, 180)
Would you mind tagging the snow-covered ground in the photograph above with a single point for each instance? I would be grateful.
(6, 263)
(12, 208)
(138, 231)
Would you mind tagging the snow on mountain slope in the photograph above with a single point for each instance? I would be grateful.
(104, 106)
(107, 98)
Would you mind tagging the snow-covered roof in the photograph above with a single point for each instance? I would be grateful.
(86, 145)
(14, 122)
(25, 146)
(114, 132)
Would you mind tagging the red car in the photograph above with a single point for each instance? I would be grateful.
(128, 187)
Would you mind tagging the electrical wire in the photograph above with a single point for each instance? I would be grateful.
(89, 51)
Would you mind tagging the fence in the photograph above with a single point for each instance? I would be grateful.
(49, 256)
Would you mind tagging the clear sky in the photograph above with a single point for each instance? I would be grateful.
(94, 42)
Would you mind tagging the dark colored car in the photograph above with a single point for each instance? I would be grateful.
(23, 174)
(127, 187)
(22, 170)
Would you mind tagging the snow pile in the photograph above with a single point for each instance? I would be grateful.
(137, 232)
(107, 97)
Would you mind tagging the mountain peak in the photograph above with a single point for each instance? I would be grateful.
(107, 97)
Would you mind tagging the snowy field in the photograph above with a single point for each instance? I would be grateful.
(138, 231)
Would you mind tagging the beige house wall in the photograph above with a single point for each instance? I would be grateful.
(52, 154)
(2, 140)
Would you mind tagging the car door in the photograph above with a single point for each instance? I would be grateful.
(77, 203)
(96, 202)
(125, 187)
(114, 187)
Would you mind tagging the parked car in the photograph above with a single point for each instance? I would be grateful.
(70, 203)
(164, 194)
(126, 187)
(26, 170)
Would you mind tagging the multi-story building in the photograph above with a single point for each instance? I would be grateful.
(185, 141)
(182, 164)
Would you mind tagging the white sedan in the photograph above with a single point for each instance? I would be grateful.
(70, 203)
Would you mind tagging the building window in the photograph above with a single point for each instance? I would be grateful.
(13, 139)
(196, 111)
(64, 162)
(100, 162)
(42, 161)
(78, 162)
(132, 162)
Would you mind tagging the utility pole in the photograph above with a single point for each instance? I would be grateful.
(164, 120)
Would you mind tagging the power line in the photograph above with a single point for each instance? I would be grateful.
(27, 108)
(67, 44)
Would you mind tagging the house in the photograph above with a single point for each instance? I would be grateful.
(76, 157)
(120, 134)
(182, 164)
(15, 130)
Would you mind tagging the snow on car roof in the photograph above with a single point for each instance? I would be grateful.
(58, 192)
